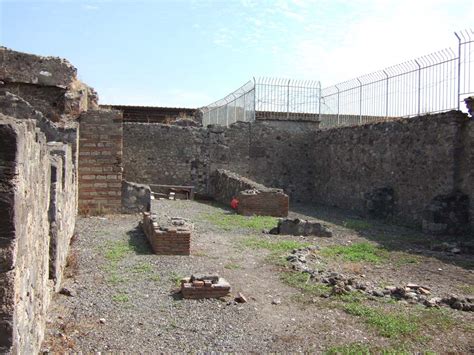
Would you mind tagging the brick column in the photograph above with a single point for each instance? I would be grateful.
(100, 161)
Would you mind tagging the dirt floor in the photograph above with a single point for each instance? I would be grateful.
(124, 297)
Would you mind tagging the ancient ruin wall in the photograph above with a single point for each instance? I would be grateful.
(162, 154)
(467, 165)
(25, 181)
(415, 157)
(100, 161)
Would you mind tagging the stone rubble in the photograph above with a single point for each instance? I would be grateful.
(302, 227)
(342, 284)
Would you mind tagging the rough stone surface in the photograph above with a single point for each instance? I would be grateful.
(100, 162)
(302, 227)
(135, 197)
(163, 154)
(447, 214)
(416, 158)
(48, 83)
(32, 69)
(25, 200)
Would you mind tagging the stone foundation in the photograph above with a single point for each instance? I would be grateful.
(198, 287)
(172, 239)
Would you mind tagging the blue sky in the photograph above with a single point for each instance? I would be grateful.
(189, 53)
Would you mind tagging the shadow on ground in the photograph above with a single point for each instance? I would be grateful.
(138, 242)
(393, 237)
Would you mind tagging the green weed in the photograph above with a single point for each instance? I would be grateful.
(175, 278)
(273, 245)
(232, 221)
(302, 282)
(116, 251)
(357, 252)
(357, 224)
(116, 279)
(389, 325)
(365, 349)
(120, 298)
(142, 268)
(232, 266)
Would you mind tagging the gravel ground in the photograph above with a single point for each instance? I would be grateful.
(124, 297)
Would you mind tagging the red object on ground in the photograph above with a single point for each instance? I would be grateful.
(234, 203)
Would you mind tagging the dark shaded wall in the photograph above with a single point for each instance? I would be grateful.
(164, 154)
(417, 157)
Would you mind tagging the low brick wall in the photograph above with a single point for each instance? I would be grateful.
(166, 240)
(268, 202)
(254, 198)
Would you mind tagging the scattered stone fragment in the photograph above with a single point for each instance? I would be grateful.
(276, 301)
(66, 292)
(301, 227)
(102, 320)
(240, 298)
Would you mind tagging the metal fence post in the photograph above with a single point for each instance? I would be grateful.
(338, 94)
(419, 86)
(386, 95)
(459, 70)
(360, 100)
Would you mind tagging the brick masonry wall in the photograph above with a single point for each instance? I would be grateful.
(100, 161)
(166, 239)
(264, 202)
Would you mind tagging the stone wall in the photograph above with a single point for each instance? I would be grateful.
(37, 213)
(50, 84)
(415, 157)
(163, 154)
(466, 183)
(100, 162)
(391, 169)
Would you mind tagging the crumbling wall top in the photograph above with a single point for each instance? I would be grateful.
(28, 68)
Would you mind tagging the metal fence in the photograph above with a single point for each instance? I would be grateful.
(237, 106)
(266, 98)
(287, 99)
(433, 83)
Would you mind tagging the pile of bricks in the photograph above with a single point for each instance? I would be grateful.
(197, 287)
(172, 239)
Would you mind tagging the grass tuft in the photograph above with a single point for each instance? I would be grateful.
(386, 324)
(357, 224)
(273, 245)
(116, 251)
(357, 252)
(120, 298)
(302, 282)
(234, 221)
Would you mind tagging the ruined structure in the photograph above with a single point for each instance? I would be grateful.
(62, 154)
(172, 237)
